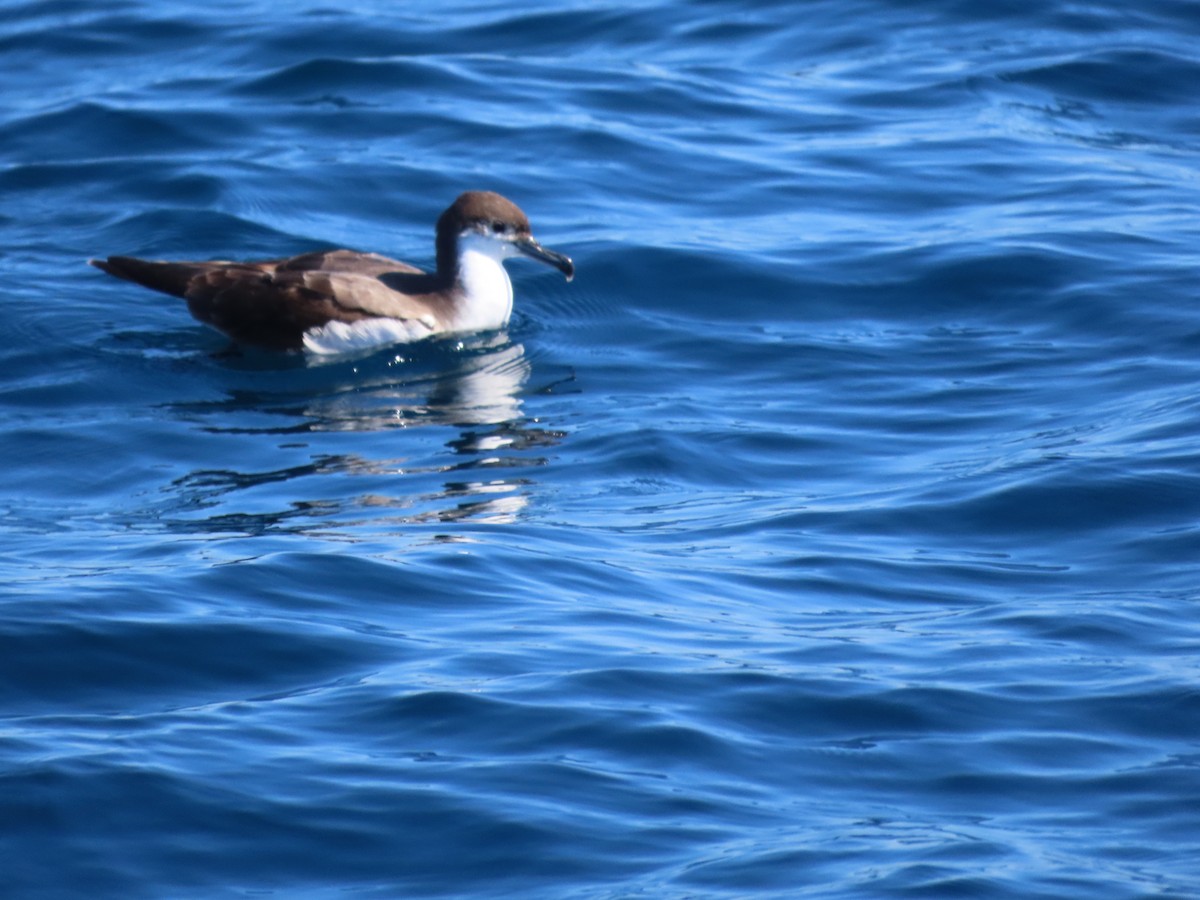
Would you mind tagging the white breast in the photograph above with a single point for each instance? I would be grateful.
(488, 296)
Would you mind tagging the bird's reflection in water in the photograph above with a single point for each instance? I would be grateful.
(481, 472)
(477, 385)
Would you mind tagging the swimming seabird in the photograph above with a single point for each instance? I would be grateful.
(337, 300)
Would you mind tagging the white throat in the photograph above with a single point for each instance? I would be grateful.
(487, 293)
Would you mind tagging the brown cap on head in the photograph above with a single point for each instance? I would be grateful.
(482, 206)
(488, 211)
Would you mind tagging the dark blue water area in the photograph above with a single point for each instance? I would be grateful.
(836, 532)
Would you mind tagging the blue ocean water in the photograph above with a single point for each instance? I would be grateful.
(835, 534)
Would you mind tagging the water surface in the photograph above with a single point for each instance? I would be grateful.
(834, 534)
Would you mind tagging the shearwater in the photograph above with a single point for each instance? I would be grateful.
(340, 300)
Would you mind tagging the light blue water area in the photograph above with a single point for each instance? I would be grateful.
(833, 534)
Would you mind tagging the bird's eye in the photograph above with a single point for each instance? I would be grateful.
(499, 227)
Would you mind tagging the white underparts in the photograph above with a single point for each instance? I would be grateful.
(365, 334)
(487, 298)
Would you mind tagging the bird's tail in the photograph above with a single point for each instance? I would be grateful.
(169, 277)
